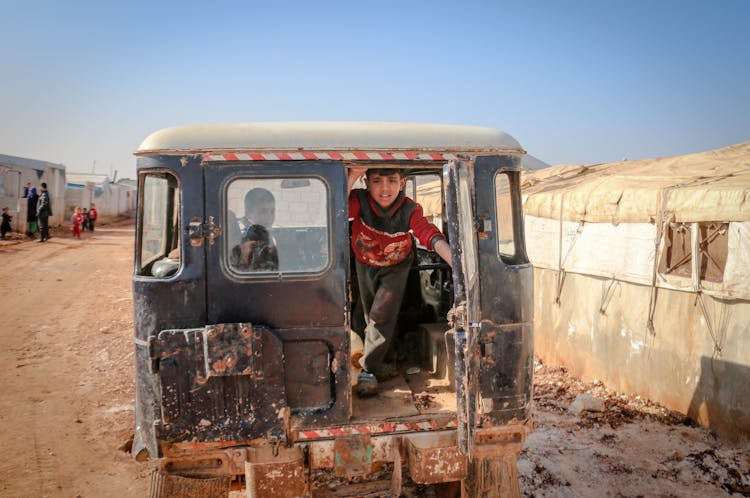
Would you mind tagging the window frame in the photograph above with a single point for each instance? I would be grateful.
(171, 234)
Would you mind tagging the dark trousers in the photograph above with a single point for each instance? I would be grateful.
(44, 226)
(91, 225)
(381, 290)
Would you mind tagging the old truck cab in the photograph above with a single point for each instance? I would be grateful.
(245, 358)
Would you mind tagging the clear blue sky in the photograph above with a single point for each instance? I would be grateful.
(574, 82)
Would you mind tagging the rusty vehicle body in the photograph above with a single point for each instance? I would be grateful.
(244, 377)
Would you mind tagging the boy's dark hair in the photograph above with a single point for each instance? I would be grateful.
(256, 196)
(384, 172)
(44, 185)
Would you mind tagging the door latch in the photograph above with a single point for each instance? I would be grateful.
(198, 230)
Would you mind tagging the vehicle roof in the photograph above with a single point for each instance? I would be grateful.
(328, 136)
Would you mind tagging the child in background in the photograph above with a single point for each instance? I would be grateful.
(85, 224)
(77, 219)
(6, 222)
(93, 216)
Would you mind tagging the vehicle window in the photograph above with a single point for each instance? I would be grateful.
(506, 245)
(159, 251)
(466, 216)
(429, 195)
(277, 225)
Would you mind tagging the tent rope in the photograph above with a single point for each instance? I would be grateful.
(661, 221)
(717, 338)
(561, 260)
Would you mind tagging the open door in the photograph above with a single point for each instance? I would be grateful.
(492, 316)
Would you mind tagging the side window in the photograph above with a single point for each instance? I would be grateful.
(277, 225)
(158, 232)
(467, 223)
(506, 244)
(429, 194)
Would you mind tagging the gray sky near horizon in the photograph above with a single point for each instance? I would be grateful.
(83, 82)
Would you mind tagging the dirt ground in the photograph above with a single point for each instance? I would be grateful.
(66, 411)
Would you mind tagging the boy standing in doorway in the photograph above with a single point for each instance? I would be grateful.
(383, 218)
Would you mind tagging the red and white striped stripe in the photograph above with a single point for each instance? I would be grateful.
(426, 425)
(337, 156)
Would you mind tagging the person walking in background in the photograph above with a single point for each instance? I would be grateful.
(31, 197)
(77, 220)
(43, 212)
(85, 223)
(6, 222)
(93, 215)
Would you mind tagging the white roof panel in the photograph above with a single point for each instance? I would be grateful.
(331, 136)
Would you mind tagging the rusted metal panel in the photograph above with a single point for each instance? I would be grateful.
(435, 458)
(207, 463)
(506, 439)
(220, 383)
(321, 454)
(352, 456)
(505, 372)
(276, 472)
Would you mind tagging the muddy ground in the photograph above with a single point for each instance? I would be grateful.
(66, 410)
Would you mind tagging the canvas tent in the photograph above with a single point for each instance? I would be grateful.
(642, 278)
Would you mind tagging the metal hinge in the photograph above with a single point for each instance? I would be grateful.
(198, 230)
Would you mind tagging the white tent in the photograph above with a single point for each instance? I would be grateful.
(642, 278)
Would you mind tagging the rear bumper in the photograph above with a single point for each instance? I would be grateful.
(429, 458)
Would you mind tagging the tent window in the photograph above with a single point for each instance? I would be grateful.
(677, 257)
(714, 247)
(678, 254)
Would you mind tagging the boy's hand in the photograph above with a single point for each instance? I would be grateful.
(444, 250)
(354, 175)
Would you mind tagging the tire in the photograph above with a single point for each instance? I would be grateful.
(165, 485)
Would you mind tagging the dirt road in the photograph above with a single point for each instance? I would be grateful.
(67, 361)
(66, 410)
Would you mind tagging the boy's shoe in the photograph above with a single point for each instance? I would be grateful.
(367, 385)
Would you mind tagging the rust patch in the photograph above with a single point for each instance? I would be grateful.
(435, 458)
(352, 456)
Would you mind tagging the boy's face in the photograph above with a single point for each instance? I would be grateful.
(263, 213)
(384, 188)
